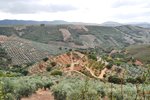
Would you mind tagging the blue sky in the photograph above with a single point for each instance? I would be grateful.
(91, 11)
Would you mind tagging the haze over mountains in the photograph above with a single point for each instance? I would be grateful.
(57, 22)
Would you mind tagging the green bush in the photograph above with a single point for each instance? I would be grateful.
(48, 68)
(140, 79)
(53, 64)
(131, 80)
(116, 80)
(92, 56)
(24, 72)
(17, 87)
(109, 66)
(56, 72)
(45, 59)
(59, 95)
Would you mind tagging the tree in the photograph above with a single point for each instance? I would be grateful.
(48, 69)
(1, 91)
(45, 59)
(53, 64)
(56, 72)
(42, 25)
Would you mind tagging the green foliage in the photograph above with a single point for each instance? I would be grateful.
(16, 88)
(92, 56)
(1, 91)
(56, 72)
(140, 79)
(20, 69)
(8, 74)
(75, 90)
(109, 66)
(53, 64)
(5, 60)
(131, 80)
(45, 59)
(48, 68)
(143, 55)
(68, 65)
(90, 89)
(116, 80)
(24, 72)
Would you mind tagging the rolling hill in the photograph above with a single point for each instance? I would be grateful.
(24, 51)
(140, 52)
(34, 42)
(69, 63)
(81, 36)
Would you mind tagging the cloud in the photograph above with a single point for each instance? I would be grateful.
(32, 6)
(131, 3)
(92, 11)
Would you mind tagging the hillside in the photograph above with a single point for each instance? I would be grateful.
(90, 65)
(81, 36)
(24, 51)
(76, 75)
(140, 52)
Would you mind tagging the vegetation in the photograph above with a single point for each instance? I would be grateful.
(17, 87)
(143, 55)
(76, 89)
(56, 72)
(5, 59)
(75, 76)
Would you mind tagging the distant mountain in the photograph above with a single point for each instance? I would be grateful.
(111, 24)
(114, 24)
(31, 22)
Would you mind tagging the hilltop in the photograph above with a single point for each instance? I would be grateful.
(81, 36)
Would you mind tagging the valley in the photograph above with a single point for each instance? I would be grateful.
(74, 62)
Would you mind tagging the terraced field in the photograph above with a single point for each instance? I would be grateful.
(72, 61)
(24, 51)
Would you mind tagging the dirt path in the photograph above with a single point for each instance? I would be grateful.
(40, 95)
(101, 76)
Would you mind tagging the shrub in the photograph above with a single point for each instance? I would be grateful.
(140, 80)
(48, 69)
(59, 95)
(92, 56)
(109, 66)
(45, 59)
(116, 80)
(131, 80)
(56, 72)
(53, 64)
(24, 72)
(68, 65)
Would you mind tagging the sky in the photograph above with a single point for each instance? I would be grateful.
(89, 11)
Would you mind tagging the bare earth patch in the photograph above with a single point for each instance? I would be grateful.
(66, 34)
(3, 38)
(40, 95)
